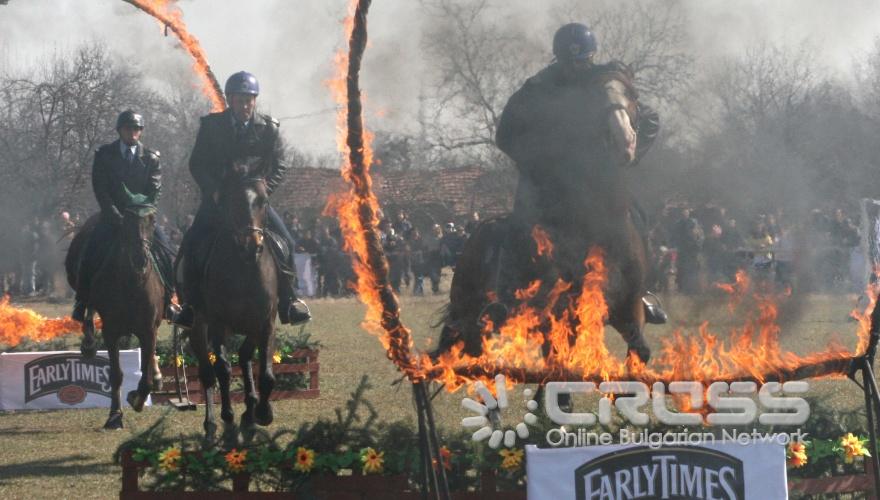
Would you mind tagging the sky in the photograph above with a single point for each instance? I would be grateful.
(289, 44)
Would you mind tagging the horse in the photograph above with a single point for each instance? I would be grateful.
(580, 202)
(239, 286)
(128, 294)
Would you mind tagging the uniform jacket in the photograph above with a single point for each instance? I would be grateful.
(112, 174)
(218, 148)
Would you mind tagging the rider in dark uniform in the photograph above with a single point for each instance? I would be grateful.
(125, 164)
(529, 134)
(234, 135)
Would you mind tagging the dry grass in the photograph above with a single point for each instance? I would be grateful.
(66, 454)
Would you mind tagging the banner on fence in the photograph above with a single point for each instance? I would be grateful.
(62, 379)
(728, 471)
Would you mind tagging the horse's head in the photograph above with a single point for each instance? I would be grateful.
(244, 202)
(138, 226)
(622, 112)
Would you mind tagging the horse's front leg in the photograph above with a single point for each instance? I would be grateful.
(198, 340)
(267, 378)
(223, 372)
(114, 420)
(245, 354)
(138, 398)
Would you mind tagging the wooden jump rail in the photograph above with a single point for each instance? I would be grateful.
(309, 365)
(353, 487)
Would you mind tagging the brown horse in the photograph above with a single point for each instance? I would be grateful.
(127, 292)
(240, 290)
(580, 143)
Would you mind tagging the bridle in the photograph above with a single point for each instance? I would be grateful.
(140, 211)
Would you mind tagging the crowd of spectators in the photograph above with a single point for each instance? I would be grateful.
(697, 246)
(416, 255)
(692, 247)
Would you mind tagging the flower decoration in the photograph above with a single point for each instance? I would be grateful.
(373, 461)
(169, 460)
(235, 460)
(797, 454)
(212, 357)
(178, 360)
(305, 459)
(853, 447)
(511, 460)
(276, 358)
(445, 457)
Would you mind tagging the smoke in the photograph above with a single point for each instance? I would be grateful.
(290, 45)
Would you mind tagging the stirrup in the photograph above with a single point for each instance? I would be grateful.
(295, 315)
(654, 312)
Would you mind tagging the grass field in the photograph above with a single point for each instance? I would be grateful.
(66, 454)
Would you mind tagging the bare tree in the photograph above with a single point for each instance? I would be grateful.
(478, 60)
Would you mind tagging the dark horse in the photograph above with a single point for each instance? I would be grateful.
(575, 194)
(240, 290)
(128, 294)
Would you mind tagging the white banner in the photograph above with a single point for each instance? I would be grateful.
(63, 379)
(717, 471)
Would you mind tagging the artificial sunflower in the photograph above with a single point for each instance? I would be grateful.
(276, 358)
(169, 460)
(511, 460)
(372, 461)
(853, 447)
(797, 454)
(178, 360)
(212, 357)
(235, 460)
(305, 459)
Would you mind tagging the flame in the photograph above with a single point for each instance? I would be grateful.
(542, 240)
(17, 324)
(577, 348)
(171, 17)
(568, 318)
(357, 208)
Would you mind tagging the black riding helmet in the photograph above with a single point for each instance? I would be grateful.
(129, 118)
(574, 42)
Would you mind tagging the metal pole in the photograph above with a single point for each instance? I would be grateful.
(871, 403)
(443, 490)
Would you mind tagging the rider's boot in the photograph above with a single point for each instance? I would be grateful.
(291, 310)
(185, 317)
(654, 312)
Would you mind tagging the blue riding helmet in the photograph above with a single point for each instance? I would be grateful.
(242, 83)
(574, 42)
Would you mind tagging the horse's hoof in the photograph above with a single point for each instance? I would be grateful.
(89, 347)
(264, 415)
(210, 432)
(135, 400)
(114, 421)
(247, 420)
(230, 436)
(227, 416)
(641, 351)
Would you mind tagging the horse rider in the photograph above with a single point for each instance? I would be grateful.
(574, 47)
(124, 164)
(223, 139)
